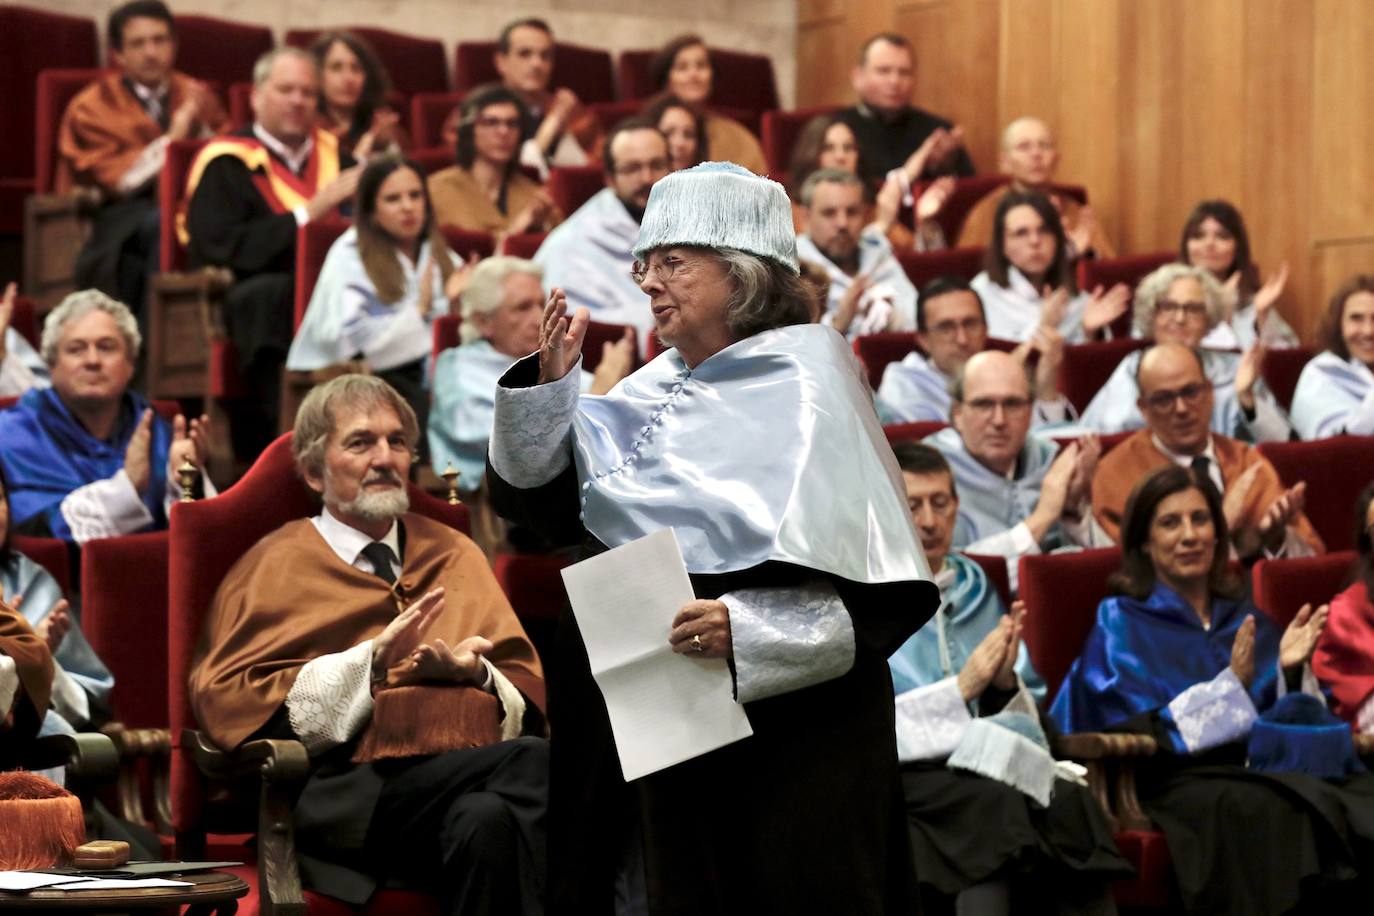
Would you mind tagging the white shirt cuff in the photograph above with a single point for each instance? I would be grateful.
(105, 508)
(931, 721)
(9, 683)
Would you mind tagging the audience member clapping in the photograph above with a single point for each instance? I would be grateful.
(683, 67)
(1029, 279)
(1214, 238)
(559, 129)
(1179, 304)
(1335, 392)
(353, 106)
(21, 368)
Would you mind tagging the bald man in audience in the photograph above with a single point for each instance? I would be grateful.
(1264, 517)
(113, 140)
(950, 328)
(1030, 157)
(249, 193)
(1018, 494)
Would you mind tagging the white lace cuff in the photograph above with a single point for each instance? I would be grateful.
(145, 167)
(532, 429)
(9, 683)
(788, 638)
(931, 721)
(1213, 713)
(331, 701)
(105, 508)
(511, 699)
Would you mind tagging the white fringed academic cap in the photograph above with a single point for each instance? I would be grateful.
(720, 205)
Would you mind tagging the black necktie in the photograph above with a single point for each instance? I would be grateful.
(381, 558)
(1202, 467)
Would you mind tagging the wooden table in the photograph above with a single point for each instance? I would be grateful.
(211, 892)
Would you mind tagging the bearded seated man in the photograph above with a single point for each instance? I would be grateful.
(380, 640)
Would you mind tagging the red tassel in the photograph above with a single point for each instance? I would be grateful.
(419, 721)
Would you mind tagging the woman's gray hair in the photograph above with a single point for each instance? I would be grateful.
(319, 411)
(80, 304)
(764, 294)
(1155, 287)
(486, 289)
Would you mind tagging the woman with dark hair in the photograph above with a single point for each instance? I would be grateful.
(1214, 237)
(1335, 392)
(684, 127)
(382, 284)
(1178, 654)
(683, 68)
(1028, 281)
(81, 685)
(353, 87)
(486, 191)
(1345, 656)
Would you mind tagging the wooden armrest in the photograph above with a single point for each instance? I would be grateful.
(135, 746)
(1104, 745)
(271, 758)
(88, 756)
(210, 279)
(1109, 757)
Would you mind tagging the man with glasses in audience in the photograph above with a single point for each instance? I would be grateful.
(1018, 495)
(950, 328)
(1264, 517)
(589, 255)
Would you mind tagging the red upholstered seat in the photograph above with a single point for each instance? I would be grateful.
(432, 159)
(1087, 367)
(446, 333)
(609, 114)
(55, 89)
(996, 569)
(32, 40)
(53, 554)
(967, 192)
(1148, 853)
(780, 130)
(532, 583)
(123, 592)
(572, 186)
(24, 320)
(1109, 440)
(740, 79)
(923, 266)
(465, 242)
(428, 111)
(586, 71)
(875, 351)
(1335, 470)
(1107, 272)
(523, 245)
(313, 241)
(222, 50)
(1062, 592)
(1281, 371)
(414, 64)
(171, 200)
(1282, 587)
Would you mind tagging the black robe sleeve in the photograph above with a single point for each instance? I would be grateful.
(232, 226)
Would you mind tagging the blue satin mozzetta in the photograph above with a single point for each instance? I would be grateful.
(768, 450)
(1142, 654)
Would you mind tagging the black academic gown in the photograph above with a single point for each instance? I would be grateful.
(805, 816)
(888, 142)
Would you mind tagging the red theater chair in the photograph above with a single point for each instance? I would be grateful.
(969, 191)
(221, 50)
(1335, 470)
(609, 114)
(1281, 371)
(24, 320)
(923, 266)
(414, 64)
(586, 71)
(780, 130)
(428, 111)
(1282, 587)
(898, 433)
(573, 186)
(466, 242)
(432, 159)
(52, 554)
(1062, 592)
(313, 241)
(523, 245)
(1087, 367)
(996, 569)
(31, 41)
(875, 351)
(206, 539)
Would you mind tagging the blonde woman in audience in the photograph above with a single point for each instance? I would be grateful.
(1214, 238)
(382, 284)
(353, 86)
(683, 67)
(1181, 304)
(486, 191)
(683, 126)
(1255, 785)
(1335, 392)
(1029, 280)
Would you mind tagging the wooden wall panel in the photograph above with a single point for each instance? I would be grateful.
(1343, 127)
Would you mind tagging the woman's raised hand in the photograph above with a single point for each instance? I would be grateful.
(1243, 653)
(1300, 639)
(560, 337)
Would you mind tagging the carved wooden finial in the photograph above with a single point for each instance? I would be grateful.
(451, 478)
(186, 476)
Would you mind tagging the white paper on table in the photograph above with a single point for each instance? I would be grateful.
(32, 880)
(119, 884)
(664, 707)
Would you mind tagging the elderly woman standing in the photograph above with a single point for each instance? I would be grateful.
(755, 439)
(1181, 304)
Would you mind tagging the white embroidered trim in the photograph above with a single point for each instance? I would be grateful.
(788, 638)
(331, 701)
(1213, 713)
(931, 720)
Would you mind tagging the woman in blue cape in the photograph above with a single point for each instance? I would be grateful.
(1178, 654)
(754, 438)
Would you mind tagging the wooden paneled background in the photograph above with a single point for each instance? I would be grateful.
(1156, 104)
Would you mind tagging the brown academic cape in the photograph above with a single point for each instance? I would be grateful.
(977, 228)
(1124, 466)
(291, 599)
(459, 202)
(105, 129)
(727, 140)
(35, 667)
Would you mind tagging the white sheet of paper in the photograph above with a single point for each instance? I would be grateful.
(32, 880)
(665, 708)
(119, 884)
